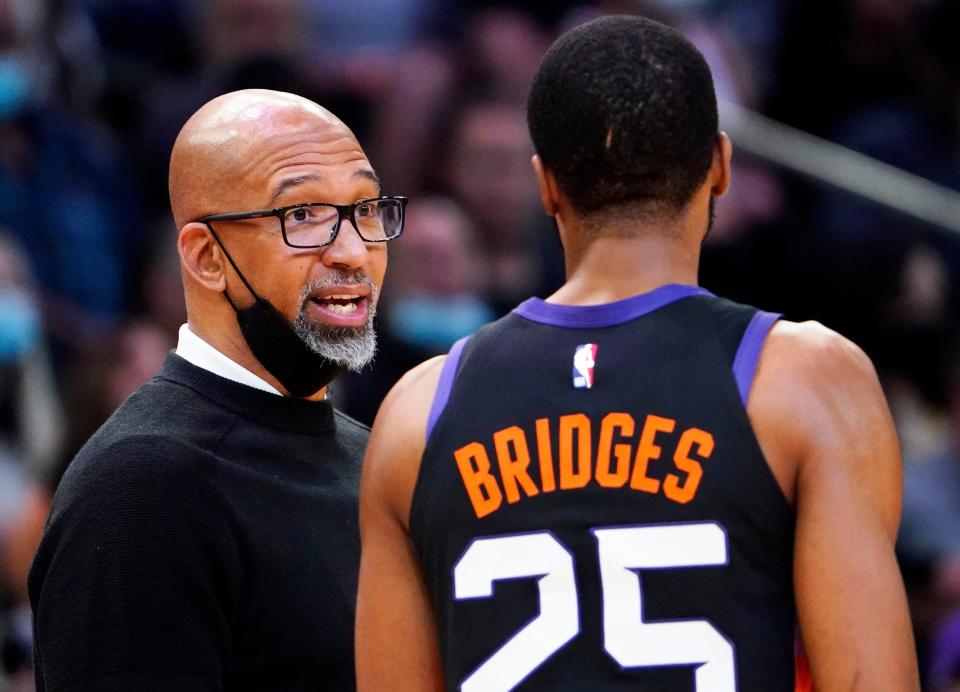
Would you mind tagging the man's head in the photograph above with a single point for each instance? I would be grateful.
(489, 167)
(258, 150)
(623, 115)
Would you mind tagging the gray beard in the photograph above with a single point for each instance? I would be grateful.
(346, 346)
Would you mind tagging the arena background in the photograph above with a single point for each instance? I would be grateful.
(93, 92)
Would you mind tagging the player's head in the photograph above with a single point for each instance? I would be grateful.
(623, 117)
(258, 150)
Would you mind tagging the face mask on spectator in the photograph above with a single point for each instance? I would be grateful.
(14, 87)
(19, 324)
(435, 322)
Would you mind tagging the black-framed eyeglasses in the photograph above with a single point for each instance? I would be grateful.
(315, 224)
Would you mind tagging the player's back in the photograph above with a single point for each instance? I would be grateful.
(593, 510)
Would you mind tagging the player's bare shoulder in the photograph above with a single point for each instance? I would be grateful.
(397, 440)
(807, 368)
(817, 355)
(815, 390)
(410, 398)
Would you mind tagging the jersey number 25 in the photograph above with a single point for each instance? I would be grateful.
(631, 642)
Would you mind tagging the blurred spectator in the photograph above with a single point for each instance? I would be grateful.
(30, 418)
(930, 528)
(491, 57)
(65, 195)
(233, 30)
(161, 290)
(361, 30)
(409, 113)
(488, 171)
(103, 376)
(100, 381)
(503, 48)
(30, 428)
(436, 280)
(434, 295)
(944, 668)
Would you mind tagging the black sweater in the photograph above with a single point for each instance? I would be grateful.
(205, 538)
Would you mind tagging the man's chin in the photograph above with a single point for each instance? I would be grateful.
(351, 347)
(332, 332)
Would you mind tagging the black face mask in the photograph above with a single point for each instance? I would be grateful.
(279, 348)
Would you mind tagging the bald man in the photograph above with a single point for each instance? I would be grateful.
(205, 538)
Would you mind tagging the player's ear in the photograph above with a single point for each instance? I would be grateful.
(547, 184)
(201, 257)
(720, 168)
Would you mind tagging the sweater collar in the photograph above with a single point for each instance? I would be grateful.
(282, 412)
(194, 349)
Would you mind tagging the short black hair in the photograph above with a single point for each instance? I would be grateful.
(623, 111)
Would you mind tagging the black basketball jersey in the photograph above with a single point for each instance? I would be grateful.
(593, 510)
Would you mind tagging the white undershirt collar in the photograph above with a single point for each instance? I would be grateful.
(195, 350)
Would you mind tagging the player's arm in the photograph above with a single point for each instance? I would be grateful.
(396, 645)
(822, 419)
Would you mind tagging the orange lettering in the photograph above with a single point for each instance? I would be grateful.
(648, 451)
(545, 455)
(482, 488)
(606, 477)
(671, 484)
(574, 475)
(513, 467)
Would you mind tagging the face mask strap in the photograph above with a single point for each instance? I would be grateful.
(281, 351)
(232, 264)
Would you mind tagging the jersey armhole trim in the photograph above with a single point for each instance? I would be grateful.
(447, 376)
(748, 353)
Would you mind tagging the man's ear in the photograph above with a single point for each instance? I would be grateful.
(547, 184)
(201, 256)
(720, 168)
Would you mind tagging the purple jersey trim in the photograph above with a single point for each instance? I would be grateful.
(748, 354)
(445, 384)
(607, 314)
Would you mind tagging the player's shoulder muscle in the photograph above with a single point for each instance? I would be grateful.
(817, 405)
(398, 438)
(809, 369)
(811, 350)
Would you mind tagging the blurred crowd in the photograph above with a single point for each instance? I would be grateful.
(93, 92)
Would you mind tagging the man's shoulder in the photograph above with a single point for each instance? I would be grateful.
(349, 426)
(158, 406)
(160, 416)
(392, 461)
(351, 437)
(808, 354)
(808, 373)
(815, 392)
(410, 398)
(116, 463)
(149, 441)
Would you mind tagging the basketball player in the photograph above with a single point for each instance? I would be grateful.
(634, 484)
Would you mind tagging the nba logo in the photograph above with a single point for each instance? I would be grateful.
(584, 359)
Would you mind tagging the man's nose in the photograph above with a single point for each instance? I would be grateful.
(348, 250)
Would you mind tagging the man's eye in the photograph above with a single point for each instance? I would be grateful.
(365, 210)
(300, 214)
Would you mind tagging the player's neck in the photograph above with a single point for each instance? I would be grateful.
(612, 268)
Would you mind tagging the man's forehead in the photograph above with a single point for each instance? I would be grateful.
(292, 182)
